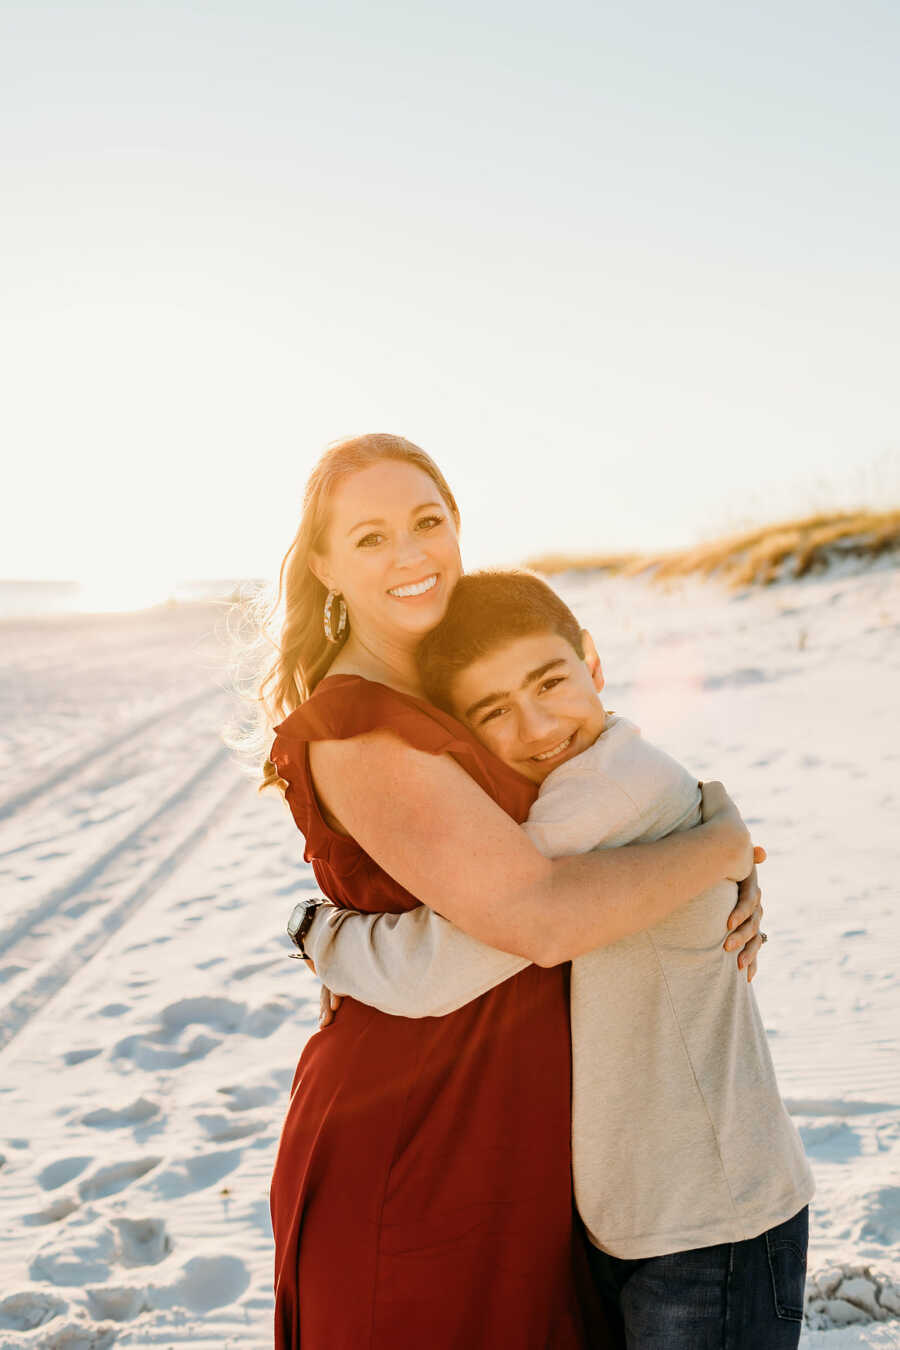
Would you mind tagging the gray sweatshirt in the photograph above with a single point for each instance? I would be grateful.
(680, 1138)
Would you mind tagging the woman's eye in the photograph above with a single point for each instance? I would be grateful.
(428, 522)
(369, 540)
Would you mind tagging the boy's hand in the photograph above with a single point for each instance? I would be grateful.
(328, 1002)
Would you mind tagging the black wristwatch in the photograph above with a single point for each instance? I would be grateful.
(300, 922)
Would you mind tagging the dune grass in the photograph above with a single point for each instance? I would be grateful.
(790, 548)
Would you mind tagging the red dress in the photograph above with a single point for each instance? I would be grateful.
(422, 1189)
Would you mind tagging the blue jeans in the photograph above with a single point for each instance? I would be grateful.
(736, 1296)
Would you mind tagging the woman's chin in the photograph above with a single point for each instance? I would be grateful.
(420, 615)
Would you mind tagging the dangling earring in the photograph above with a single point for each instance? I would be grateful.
(330, 598)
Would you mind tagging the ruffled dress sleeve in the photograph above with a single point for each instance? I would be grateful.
(344, 706)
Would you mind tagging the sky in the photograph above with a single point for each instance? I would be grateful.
(629, 273)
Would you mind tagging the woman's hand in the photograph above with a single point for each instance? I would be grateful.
(745, 919)
(720, 812)
(745, 931)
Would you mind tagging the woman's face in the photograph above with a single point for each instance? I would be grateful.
(392, 550)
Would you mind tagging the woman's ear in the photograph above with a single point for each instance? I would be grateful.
(592, 660)
(319, 568)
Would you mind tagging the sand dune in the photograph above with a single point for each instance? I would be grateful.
(150, 1019)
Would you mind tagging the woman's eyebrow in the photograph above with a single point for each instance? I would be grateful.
(499, 695)
(414, 512)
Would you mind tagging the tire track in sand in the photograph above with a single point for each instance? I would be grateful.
(83, 941)
(54, 775)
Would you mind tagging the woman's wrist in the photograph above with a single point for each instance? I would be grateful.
(728, 835)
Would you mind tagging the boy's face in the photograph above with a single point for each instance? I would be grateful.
(534, 702)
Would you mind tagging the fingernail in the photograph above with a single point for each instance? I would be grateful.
(730, 944)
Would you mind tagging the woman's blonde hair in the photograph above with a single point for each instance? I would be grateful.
(292, 624)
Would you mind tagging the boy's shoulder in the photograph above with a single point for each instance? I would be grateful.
(619, 739)
(622, 755)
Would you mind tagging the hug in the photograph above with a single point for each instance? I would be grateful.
(545, 1113)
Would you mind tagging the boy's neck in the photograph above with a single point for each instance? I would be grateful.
(603, 722)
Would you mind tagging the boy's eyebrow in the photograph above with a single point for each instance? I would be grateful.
(501, 694)
(414, 512)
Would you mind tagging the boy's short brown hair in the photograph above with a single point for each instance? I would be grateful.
(486, 611)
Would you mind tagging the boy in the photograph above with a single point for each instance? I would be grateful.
(688, 1172)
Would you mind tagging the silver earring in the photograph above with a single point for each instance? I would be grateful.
(330, 633)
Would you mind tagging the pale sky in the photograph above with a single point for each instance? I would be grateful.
(629, 273)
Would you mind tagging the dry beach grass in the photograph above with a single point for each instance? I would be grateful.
(790, 548)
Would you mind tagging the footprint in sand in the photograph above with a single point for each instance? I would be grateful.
(86, 1253)
(135, 1113)
(195, 1174)
(79, 1056)
(204, 1283)
(77, 1336)
(142, 1242)
(248, 1098)
(223, 1014)
(25, 1311)
(115, 1177)
(58, 1209)
(881, 1217)
(76, 1255)
(222, 1130)
(61, 1171)
(831, 1140)
(244, 972)
(163, 1047)
(117, 1303)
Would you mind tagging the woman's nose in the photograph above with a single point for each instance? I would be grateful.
(408, 550)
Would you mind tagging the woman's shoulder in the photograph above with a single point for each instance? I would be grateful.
(343, 706)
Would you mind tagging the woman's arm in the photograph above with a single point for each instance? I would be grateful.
(433, 829)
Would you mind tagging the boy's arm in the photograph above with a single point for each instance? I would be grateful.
(580, 811)
(411, 965)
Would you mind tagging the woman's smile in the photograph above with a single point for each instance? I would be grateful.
(414, 588)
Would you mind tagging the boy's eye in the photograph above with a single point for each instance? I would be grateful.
(369, 540)
(552, 682)
(494, 713)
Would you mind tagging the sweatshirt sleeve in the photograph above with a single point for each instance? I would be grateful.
(579, 811)
(415, 964)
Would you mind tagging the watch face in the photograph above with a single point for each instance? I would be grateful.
(295, 922)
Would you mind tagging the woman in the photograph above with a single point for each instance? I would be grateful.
(421, 1193)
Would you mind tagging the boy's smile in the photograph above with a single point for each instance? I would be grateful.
(533, 701)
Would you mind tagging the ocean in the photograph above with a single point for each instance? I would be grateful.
(27, 599)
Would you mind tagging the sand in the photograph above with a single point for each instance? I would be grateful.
(151, 1019)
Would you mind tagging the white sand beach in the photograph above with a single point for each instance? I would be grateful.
(151, 1019)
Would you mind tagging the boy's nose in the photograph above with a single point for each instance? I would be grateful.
(535, 725)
